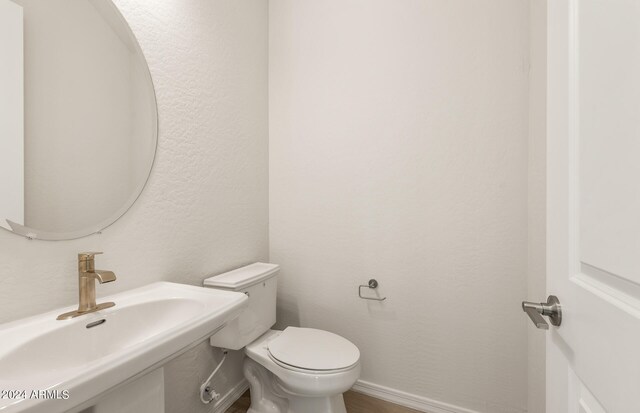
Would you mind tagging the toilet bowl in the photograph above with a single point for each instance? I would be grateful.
(297, 370)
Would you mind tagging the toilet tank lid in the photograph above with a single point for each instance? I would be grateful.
(243, 277)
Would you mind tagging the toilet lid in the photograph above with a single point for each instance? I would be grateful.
(311, 349)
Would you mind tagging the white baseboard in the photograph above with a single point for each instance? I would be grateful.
(412, 401)
(232, 395)
(409, 400)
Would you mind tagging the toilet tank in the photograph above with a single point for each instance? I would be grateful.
(260, 283)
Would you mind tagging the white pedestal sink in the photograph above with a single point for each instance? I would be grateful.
(57, 366)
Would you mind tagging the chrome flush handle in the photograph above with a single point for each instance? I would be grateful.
(551, 309)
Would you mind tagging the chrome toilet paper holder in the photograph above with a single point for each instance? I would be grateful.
(373, 284)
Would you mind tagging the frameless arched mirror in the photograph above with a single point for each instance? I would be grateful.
(78, 124)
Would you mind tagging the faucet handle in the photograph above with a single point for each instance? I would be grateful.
(87, 256)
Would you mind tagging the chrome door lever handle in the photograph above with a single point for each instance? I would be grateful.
(532, 311)
(551, 309)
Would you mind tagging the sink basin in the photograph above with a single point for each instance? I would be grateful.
(92, 354)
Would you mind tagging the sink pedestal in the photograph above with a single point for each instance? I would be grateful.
(143, 395)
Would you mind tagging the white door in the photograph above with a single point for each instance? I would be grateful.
(593, 227)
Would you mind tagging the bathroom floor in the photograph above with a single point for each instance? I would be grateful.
(356, 403)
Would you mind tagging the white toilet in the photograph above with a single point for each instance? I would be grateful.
(298, 370)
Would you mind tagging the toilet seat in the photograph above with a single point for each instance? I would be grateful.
(312, 350)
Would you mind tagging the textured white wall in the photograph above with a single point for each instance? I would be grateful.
(536, 280)
(398, 151)
(205, 207)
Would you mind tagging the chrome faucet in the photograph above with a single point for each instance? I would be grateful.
(87, 276)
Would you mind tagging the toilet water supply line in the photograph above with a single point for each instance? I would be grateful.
(207, 394)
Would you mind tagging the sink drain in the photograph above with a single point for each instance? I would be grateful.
(96, 323)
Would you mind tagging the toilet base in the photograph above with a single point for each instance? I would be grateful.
(268, 396)
(332, 404)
